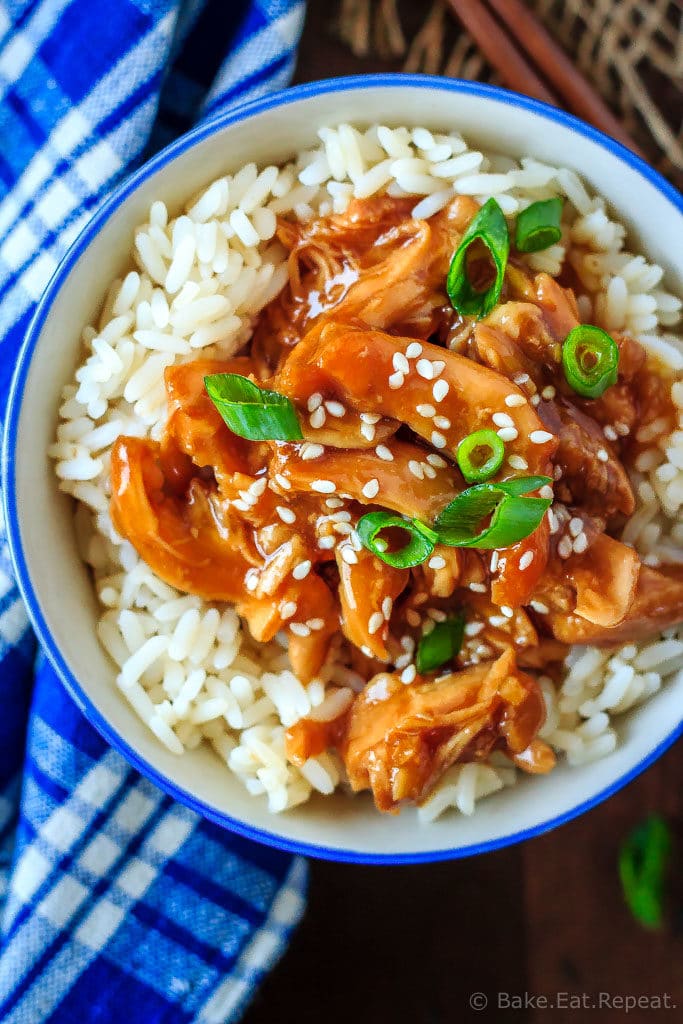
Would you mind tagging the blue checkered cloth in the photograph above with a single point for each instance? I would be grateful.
(115, 901)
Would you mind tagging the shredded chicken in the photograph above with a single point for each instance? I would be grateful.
(387, 381)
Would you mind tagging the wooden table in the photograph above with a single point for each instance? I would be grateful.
(412, 944)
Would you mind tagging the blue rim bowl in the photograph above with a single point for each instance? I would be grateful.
(341, 91)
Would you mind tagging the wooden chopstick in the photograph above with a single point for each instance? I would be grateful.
(517, 70)
(570, 84)
(501, 52)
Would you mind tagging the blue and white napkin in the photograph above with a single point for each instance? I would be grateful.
(116, 903)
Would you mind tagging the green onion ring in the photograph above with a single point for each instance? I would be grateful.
(477, 473)
(513, 516)
(538, 227)
(590, 360)
(417, 550)
(441, 645)
(489, 225)
(253, 412)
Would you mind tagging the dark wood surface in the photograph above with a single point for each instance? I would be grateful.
(413, 944)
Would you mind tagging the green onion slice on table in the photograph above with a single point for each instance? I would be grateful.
(590, 360)
(480, 455)
(643, 861)
(490, 227)
(419, 539)
(253, 412)
(538, 227)
(441, 645)
(513, 515)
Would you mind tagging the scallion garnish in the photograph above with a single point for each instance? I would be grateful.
(513, 516)
(590, 359)
(480, 455)
(441, 645)
(538, 227)
(253, 412)
(490, 227)
(419, 546)
(643, 861)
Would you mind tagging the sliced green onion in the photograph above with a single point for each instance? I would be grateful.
(643, 862)
(590, 359)
(475, 465)
(418, 548)
(490, 227)
(441, 645)
(513, 517)
(251, 411)
(538, 227)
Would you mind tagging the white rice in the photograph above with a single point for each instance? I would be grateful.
(196, 283)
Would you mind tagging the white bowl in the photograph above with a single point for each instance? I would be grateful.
(56, 584)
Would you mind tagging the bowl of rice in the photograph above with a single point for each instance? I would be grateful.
(188, 269)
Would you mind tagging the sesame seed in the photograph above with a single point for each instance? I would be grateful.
(375, 622)
(425, 369)
(581, 543)
(546, 491)
(396, 381)
(517, 462)
(288, 609)
(341, 517)
(564, 548)
(400, 363)
(442, 422)
(325, 543)
(437, 562)
(367, 431)
(334, 502)
(535, 400)
(440, 390)
(425, 410)
(314, 402)
(507, 611)
(248, 497)
(521, 378)
(622, 429)
(514, 401)
(602, 455)
(251, 579)
(435, 460)
(323, 486)
(414, 350)
(370, 417)
(407, 642)
(508, 433)
(438, 366)
(540, 436)
(416, 469)
(301, 571)
(539, 607)
(349, 555)
(526, 560)
(501, 419)
(438, 440)
(311, 451)
(356, 541)
(610, 433)
(315, 624)
(258, 487)
(437, 615)
(408, 674)
(575, 526)
(478, 588)
(343, 528)
(552, 521)
(498, 621)
(300, 629)
(494, 560)
(286, 514)
(371, 488)
(427, 627)
(317, 418)
(387, 607)
(335, 409)
(548, 393)
(243, 506)
(384, 453)
(473, 628)
(282, 481)
(557, 473)
(414, 619)
(366, 651)
(429, 472)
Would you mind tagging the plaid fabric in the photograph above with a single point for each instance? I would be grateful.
(117, 901)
